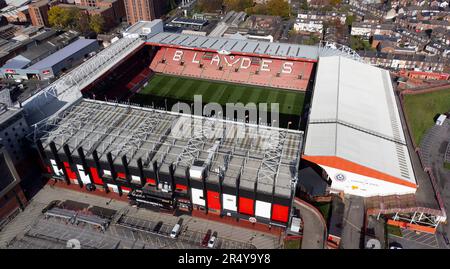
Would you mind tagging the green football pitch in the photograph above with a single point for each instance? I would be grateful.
(184, 89)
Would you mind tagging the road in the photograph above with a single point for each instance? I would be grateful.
(353, 223)
(314, 226)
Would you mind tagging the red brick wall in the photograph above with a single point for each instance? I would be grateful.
(9, 203)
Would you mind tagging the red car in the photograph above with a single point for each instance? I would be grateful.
(206, 238)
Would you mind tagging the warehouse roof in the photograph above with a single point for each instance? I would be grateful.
(62, 54)
(267, 153)
(17, 62)
(354, 117)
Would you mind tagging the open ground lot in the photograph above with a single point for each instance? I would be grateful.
(414, 240)
(184, 89)
(422, 109)
(130, 228)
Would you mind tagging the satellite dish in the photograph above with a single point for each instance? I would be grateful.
(373, 244)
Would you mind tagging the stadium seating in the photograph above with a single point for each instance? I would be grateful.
(192, 69)
(266, 72)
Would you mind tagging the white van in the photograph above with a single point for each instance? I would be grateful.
(440, 120)
(175, 230)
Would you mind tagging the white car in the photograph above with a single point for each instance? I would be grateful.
(175, 231)
(212, 240)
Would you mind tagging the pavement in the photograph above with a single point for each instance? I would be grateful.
(353, 223)
(432, 151)
(314, 226)
(31, 230)
(375, 229)
(415, 240)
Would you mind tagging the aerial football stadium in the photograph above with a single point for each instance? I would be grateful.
(109, 126)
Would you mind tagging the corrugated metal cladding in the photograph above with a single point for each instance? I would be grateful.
(154, 167)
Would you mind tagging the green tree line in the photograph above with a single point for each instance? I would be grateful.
(271, 7)
(74, 18)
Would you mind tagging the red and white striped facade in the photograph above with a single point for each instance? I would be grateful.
(141, 154)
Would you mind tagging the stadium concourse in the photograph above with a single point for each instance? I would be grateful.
(354, 132)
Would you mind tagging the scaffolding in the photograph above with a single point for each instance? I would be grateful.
(404, 208)
(272, 156)
(327, 48)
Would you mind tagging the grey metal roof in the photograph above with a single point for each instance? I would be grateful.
(17, 62)
(62, 54)
(237, 46)
(155, 135)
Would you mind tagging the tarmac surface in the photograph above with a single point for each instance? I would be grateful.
(414, 240)
(131, 228)
(353, 223)
(432, 150)
(314, 226)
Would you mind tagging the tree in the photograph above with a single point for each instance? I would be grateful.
(238, 5)
(97, 23)
(278, 8)
(349, 20)
(82, 23)
(335, 2)
(63, 17)
(259, 9)
(57, 17)
(304, 5)
(357, 43)
(208, 5)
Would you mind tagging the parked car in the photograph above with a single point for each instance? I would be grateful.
(158, 227)
(441, 119)
(212, 240)
(206, 238)
(175, 231)
(395, 245)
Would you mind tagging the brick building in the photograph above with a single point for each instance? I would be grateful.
(144, 10)
(39, 13)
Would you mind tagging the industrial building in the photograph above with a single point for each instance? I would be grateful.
(175, 161)
(21, 67)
